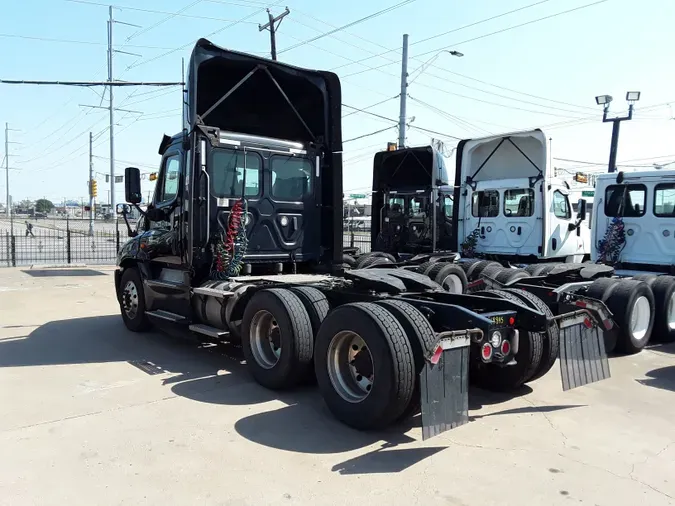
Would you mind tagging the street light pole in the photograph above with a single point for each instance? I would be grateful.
(605, 100)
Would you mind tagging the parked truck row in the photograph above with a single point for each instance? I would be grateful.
(508, 221)
(243, 243)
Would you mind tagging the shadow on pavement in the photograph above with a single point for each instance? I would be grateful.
(662, 347)
(216, 375)
(662, 378)
(54, 273)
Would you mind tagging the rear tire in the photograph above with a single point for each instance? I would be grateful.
(131, 298)
(475, 270)
(349, 261)
(361, 261)
(422, 339)
(508, 275)
(317, 307)
(551, 342)
(277, 339)
(632, 304)
(491, 271)
(536, 269)
(373, 261)
(373, 330)
(601, 289)
(664, 316)
(452, 278)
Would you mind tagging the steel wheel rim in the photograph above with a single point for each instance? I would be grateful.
(350, 366)
(265, 339)
(671, 313)
(639, 321)
(451, 283)
(130, 300)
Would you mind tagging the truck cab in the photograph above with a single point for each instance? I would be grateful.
(411, 202)
(634, 220)
(509, 205)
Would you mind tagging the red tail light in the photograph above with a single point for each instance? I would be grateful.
(506, 347)
(486, 352)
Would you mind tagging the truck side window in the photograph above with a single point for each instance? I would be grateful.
(485, 203)
(229, 167)
(625, 200)
(170, 179)
(519, 202)
(664, 200)
(291, 177)
(561, 206)
(447, 205)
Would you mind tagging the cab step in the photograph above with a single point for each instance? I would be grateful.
(211, 292)
(167, 315)
(208, 330)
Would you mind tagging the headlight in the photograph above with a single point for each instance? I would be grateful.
(284, 221)
(496, 339)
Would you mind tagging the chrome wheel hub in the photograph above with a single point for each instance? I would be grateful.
(350, 366)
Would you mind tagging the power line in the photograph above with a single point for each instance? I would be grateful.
(450, 31)
(230, 25)
(152, 11)
(454, 119)
(87, 84)
(490, 34)
(348, 25)
(70, 41)
(162, 21)
(369, 134)
(357, 110)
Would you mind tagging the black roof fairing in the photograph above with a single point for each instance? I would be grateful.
(258, 106)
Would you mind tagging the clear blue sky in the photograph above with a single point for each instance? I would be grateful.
(551, 69)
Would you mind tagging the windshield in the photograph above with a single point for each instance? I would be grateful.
(228, 168)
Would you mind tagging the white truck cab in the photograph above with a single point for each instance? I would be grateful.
(510, 203)
(636, 212)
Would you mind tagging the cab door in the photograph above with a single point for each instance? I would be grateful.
(520, 231)
(563, 241)
(162, 243)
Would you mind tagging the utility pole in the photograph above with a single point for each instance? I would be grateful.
(111, 108)
(404, 92)
(9, 207)
(273, 25)
(91, 178)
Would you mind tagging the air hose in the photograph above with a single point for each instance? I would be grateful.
(611, 246)
(229, 250)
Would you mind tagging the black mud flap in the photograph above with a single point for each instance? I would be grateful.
(444, 385)
(583, 358)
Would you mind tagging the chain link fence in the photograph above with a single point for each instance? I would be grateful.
(68, 242)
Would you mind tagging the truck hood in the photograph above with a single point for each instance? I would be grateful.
(506, 156)
(262, 97)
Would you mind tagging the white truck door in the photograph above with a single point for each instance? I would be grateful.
(562, 241)
(519, 232)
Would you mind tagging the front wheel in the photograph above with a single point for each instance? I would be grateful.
(132, 301)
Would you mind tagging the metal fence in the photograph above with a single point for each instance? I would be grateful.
(68, 242)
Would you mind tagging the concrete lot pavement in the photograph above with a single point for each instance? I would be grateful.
(93, 414)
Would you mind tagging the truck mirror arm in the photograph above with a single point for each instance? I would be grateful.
(130, 231)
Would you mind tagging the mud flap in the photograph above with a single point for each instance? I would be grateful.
(583, 359)
(444, 386)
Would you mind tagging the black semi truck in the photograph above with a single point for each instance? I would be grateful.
(243, 242)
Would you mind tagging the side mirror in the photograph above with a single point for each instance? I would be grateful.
(582, 209)
(132, 185)
(122, 209)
